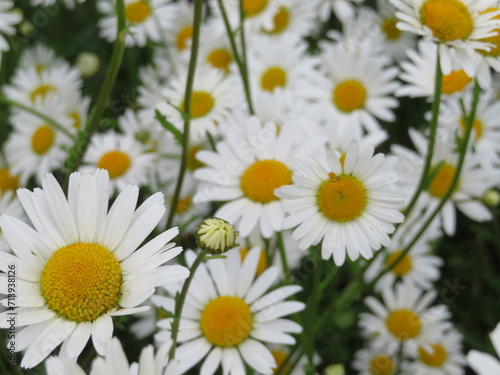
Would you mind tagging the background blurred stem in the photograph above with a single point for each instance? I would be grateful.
(75, 156)
(198, 4)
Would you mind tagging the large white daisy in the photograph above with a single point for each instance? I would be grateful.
(80, 264)
(227, 314)
(350, 205)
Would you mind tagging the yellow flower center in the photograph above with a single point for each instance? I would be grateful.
(77, 121)
(184, 35)
(281, 20)
(455, 82)
(183, 205)
(262, 177)
(42, 91)
(137, 11)
(262, 265)
(279, 357)
(201, 104)
(390, 30)
(448, 19)
(81, 281)
(116, 162)
(226, 321)
(441, 180)
(403, 324)
(194, 163)
(272, 78)
(435, 359)
(220, 59)
(495, 40)
(42, 139)
(477, 125)
(254, 7)
(403, 266)
(381, 364)
(342, 198)
(7, 181)
(349, 95)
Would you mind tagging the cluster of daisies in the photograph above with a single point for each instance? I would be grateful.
(281, 146)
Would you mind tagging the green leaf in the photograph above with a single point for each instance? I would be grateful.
(169, 127)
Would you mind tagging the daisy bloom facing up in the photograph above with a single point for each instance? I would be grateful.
(81, 265)
(350, 205)
(227, 314)
(376, 359)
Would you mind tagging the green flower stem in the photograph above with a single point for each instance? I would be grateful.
(236, 55)
(45, 118)
(198, 4)
(244, 63)
(75, 156)
(432, 136)
(179, 304)
(284, 260)
(399, 357)
(312, 308)
(458, 169)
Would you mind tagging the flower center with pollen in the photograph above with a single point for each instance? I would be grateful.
(455, 82)
(341, 198)
(349, 95)
(137, 11)
(201, 104)
(42, 139)
(403, 324)
(262, 177)
(280, 356)
(403, 266)
(7, 181)
(42, 91)
(220, 59)
(272, 78)
(448, 19)
(116, 162)
(182, 38)
(434, 359)
(390, 30)
(381, 364)
(81, 281)
(442, 180)
(281, 20)
(254, 7)
(477, 125)
(226, 321)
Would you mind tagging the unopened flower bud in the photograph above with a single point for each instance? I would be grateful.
(491, 197)
(216, 236)
(88, 63)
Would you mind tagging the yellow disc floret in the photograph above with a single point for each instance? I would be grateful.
(193, 163)
(42, 139)
(115, 162)
(442, 180)
(494, 40)
(226, 321)
(201, 104)
(403, 324)
(137, 11)
(342, 198)
(81, 282)
(262, 177)
(390, 30)
(262, 265)
(272, 78)
(448, 19)
(42, 91)
(381, 364)
(279, 357)
(403, 266)
(183, 205)
(349, 95)
(7, 181)
(254, 7)
(220, 59)
(434, 359)
(455, 82)
(182, 38)
(477, 125)
(281, 20)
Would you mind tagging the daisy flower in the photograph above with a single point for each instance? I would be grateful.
(39, 57)
(259, 14)
(147, 19)
(180, 28)
(123, 156)
(376, 359)
(245, 170)
(420, 74)
(80, 264)
(7, 21)
(484, 363)
(227, 314)
(460, 27)
(343, 9)
(444, 357)
(35, 148)
(351, 205)
(357, 90)
(405, 317)
(213, 98)
(215, 49)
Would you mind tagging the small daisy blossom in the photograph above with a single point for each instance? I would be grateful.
(485, 363)
(81, 265)
(376, 359)
(252, 314)
(458, 26)
(351, 205)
